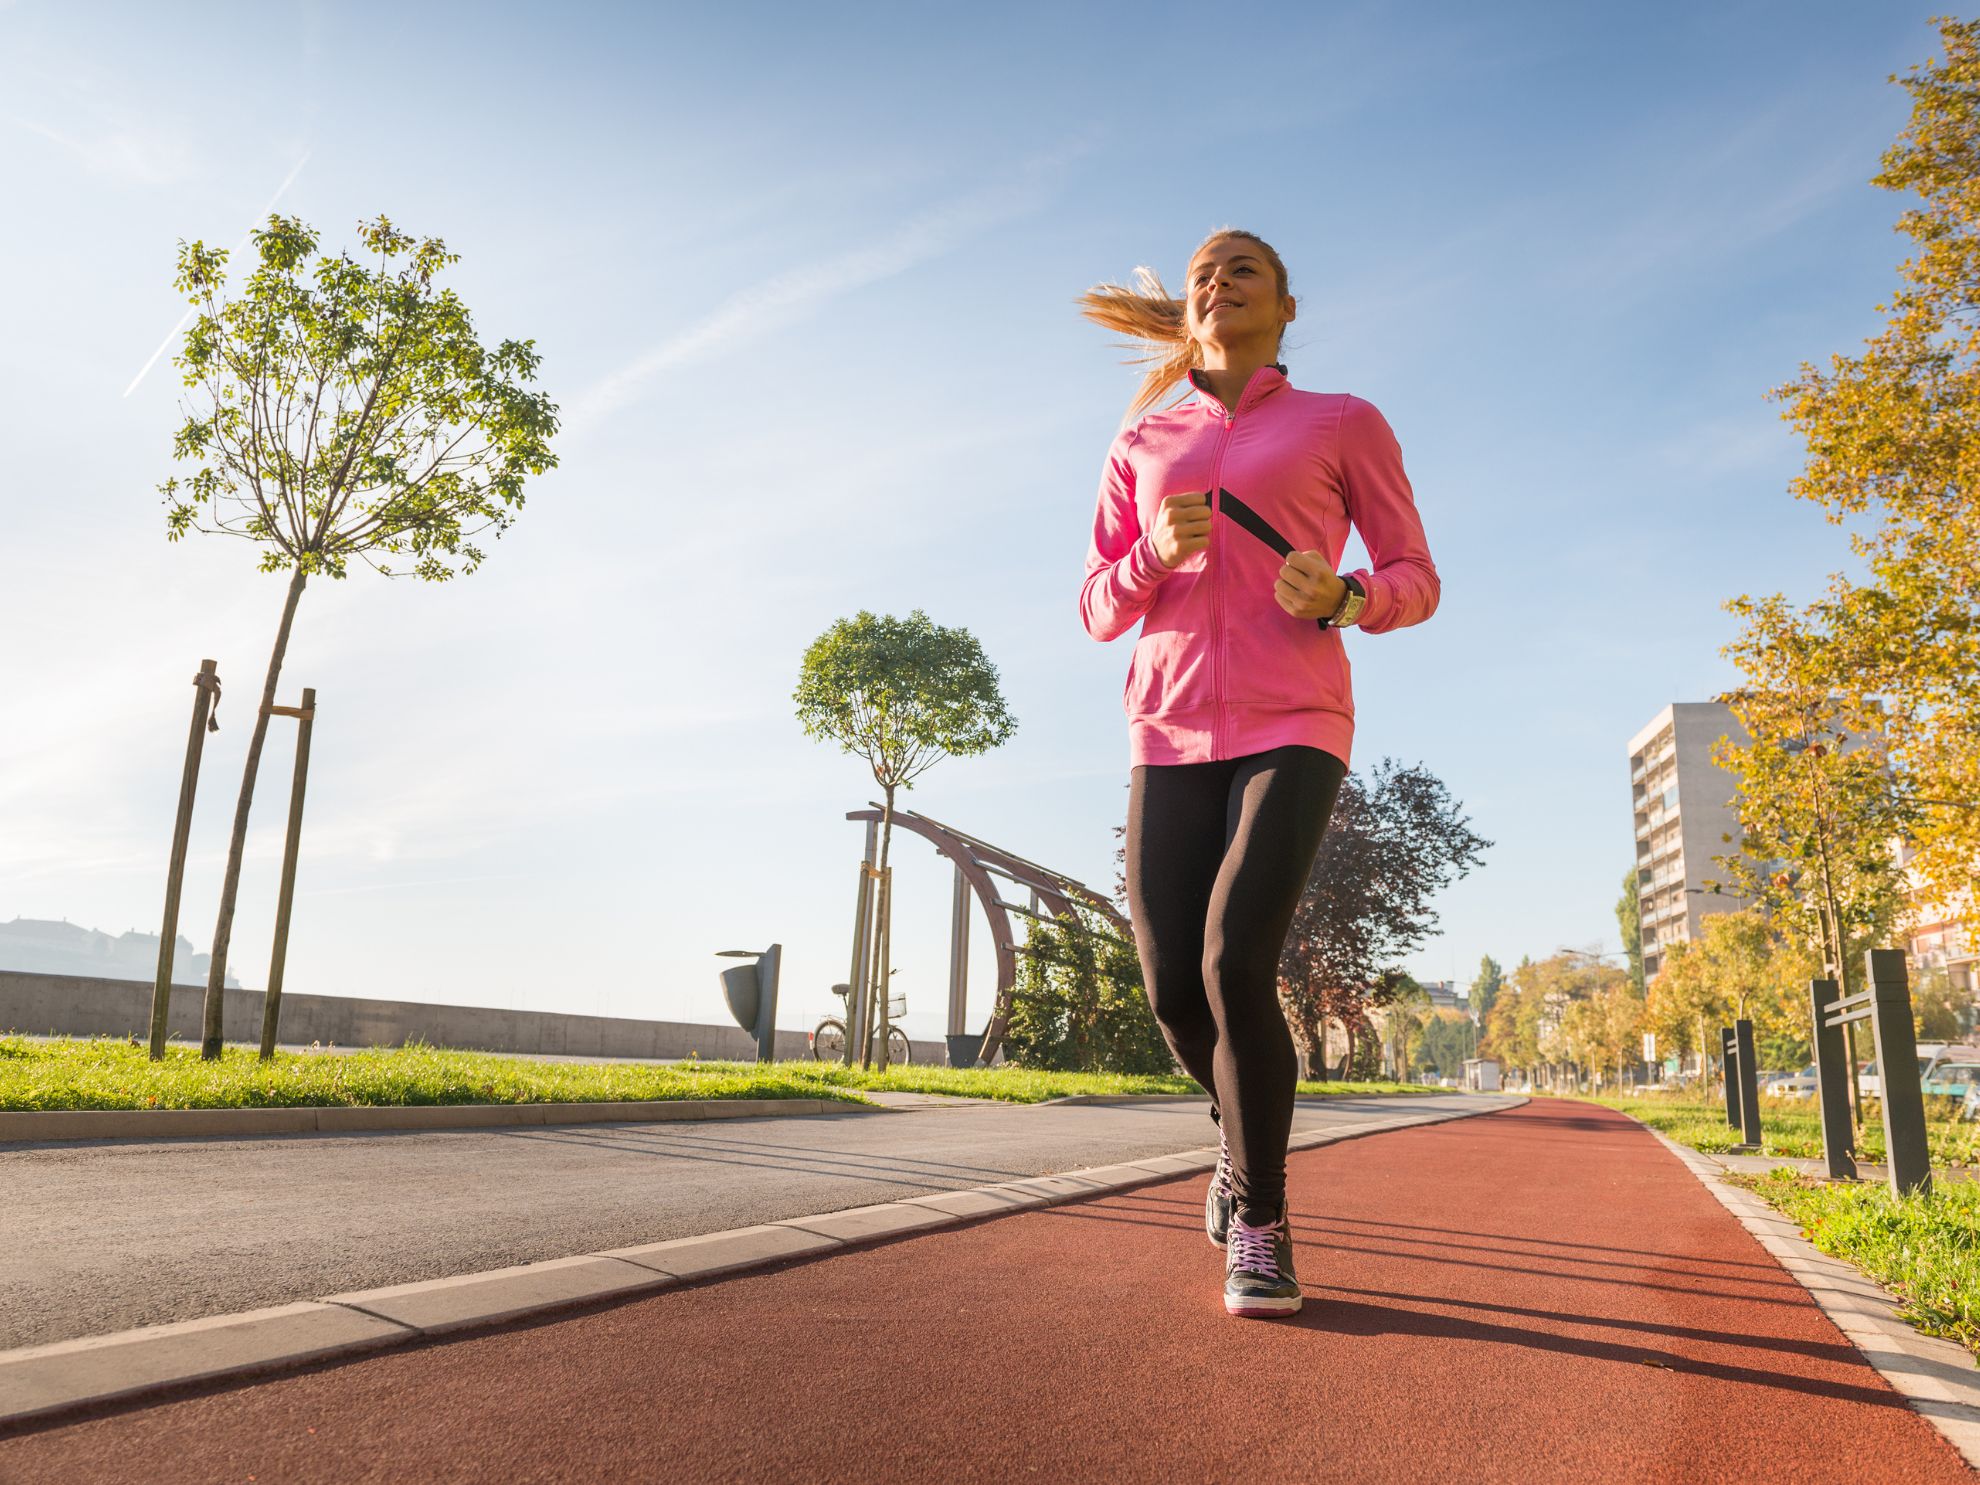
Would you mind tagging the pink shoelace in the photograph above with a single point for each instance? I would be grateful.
(1224, 1163)
(1252, 1249)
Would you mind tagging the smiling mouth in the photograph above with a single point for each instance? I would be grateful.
(1223, 304)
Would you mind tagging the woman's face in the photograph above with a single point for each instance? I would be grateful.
(1232, 298)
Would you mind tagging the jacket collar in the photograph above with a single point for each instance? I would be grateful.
(1264, 382)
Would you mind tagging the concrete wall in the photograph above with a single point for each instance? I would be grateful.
(75, 1005)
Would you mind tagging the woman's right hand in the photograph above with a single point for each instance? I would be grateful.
(1182, 526)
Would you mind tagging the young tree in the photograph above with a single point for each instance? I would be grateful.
(344, 411)
(1392, 845)
(1889, 451)
(902, 694)
(1818, 800)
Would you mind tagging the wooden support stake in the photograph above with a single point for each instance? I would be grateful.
(206, 691)
(271, 1005)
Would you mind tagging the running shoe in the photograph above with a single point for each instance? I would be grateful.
(1221, 1198)
(1258, 1269)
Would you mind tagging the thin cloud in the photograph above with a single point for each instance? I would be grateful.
(246, 237)
(784, 296)
(140, 158)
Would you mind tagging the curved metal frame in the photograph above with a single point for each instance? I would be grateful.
(977, 861)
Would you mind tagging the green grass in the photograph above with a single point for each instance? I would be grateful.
(1925, 1250)
(1791, 1128)
(108, 1073)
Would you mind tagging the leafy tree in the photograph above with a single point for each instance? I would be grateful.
(1686, 1004)
(1889, 451)
(1737, 967)
(344, 410)
(1602, 1031)
(1530, 1026)
(1392, 844)
(902, 694)
(1404, 1012)
(1817, 800)
(1448, 1038)
(1485, 988)
(1629, 918)
(1079, 1005)
(1943, 1009)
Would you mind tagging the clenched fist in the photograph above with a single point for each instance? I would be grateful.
(1182, 526)
(1308, 587)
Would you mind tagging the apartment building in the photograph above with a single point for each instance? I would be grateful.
(1940, 934)
(1684, 813)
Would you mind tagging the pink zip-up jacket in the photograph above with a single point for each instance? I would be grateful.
(1220, 670)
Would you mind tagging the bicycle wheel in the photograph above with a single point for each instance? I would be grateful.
(897, 1047)
(828, 1042)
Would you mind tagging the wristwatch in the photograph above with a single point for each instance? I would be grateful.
(1350, 605)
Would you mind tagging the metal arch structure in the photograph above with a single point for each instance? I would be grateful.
(978, 864)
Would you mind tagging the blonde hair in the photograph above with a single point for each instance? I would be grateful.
(1152, 316)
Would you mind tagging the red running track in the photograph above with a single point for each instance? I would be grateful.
(1542, 1294)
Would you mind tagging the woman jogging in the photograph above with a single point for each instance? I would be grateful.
(1219, 527)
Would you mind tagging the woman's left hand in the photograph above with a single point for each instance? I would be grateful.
(1308, 586)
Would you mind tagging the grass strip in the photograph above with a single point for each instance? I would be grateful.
(1791, 1128)
(109, 1073)
(1924, 1249)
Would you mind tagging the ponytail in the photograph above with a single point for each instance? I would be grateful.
(1151, 316)
(1159, 322)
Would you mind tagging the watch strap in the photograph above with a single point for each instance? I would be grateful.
(1353, 598)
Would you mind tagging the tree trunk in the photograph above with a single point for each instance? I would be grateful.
(223, 929)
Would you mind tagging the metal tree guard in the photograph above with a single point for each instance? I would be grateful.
(976, 862)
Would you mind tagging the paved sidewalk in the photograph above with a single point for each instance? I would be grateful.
(105, 1236)
(1541, 1294)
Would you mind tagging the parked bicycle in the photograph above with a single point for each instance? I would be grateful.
(828, 1038)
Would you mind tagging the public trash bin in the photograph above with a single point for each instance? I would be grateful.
(751, 991)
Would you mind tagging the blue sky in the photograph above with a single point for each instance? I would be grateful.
(802, 284)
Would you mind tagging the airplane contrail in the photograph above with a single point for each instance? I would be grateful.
(288, 181)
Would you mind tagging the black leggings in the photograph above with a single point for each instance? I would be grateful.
(1217, 857)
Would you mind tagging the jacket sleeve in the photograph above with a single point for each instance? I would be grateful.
(1403, 586)
(1122, 569)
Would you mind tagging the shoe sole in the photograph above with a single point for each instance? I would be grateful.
(1262, 1308)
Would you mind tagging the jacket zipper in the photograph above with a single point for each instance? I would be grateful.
(1217, 583)
(1217, 567)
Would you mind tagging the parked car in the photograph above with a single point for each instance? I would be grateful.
(1792, 1085)
(1871, 1085)
(1950, 1077)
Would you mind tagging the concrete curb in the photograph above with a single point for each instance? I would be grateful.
(1936, 1377)
(20, 1126)
(39, 1382)
(97, 1124)
(1066, 1098)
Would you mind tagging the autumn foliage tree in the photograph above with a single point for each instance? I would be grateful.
(1893, 437)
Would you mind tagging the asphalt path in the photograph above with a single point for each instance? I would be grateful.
(107, 1235)
(1540, 1295)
